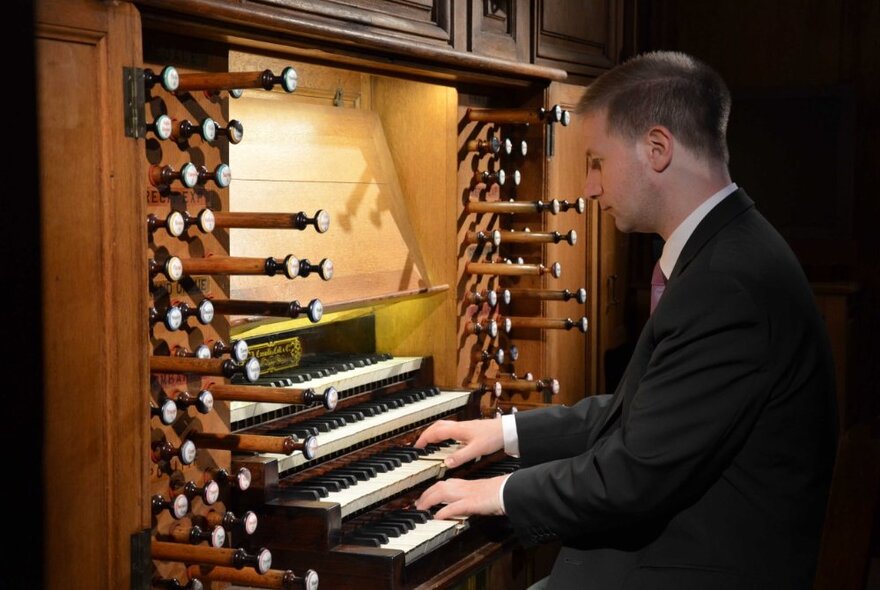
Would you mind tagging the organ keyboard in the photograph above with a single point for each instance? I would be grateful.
(347, 512)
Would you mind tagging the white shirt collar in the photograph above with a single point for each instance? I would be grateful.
(674, 245)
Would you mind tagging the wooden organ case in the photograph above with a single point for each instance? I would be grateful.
(413, 305)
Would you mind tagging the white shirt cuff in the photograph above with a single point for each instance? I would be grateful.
(511, 439)
(501, 493)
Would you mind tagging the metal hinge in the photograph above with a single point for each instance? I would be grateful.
(134, 98)
(141, 561)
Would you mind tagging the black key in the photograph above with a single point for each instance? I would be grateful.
(349, 415)
(360, 474)
(342, 478)
(389, 531)
(379, 466)
(381, 537)
(294, 493)
(415, 516)
(368, 541)
(386, 456)
(328, 484)
(407, 522)
(403, 453)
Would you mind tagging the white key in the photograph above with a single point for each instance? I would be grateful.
(425, 537)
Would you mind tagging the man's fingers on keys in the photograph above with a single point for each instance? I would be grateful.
(433, 495)
(435, 433)
(462, 456)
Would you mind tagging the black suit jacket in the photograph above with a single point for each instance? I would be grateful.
(709, 466)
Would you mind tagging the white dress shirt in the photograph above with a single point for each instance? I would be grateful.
(671, 251)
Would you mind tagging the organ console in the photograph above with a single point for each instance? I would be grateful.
(184, 129)
(579, 295)
(274, 579)
(314, 310)
(549, 323)
(362, 416)
(250, 370)
(203, 554)
(491, 268)
(555, 114)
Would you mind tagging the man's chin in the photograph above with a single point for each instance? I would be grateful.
(622, 224)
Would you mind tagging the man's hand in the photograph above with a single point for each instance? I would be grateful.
(480, 437)
(463, 497)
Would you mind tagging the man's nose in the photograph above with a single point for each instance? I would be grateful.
(592, 186)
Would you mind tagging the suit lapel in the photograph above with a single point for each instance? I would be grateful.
(727, 210)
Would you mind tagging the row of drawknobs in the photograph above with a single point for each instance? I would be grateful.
(494, 323)
(202, 542)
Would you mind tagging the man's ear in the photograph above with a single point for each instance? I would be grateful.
(659, 144)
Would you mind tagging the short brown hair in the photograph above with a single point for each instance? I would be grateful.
(665, 88)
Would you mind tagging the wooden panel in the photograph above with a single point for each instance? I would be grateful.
(413, 18)
(580, 36)
(340, 162)
(93, 231)
(499, 28)
(273, 29)
(419, 122)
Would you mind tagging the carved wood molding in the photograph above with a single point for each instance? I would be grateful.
(286, 29)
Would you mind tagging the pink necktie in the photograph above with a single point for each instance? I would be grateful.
(658, 285)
